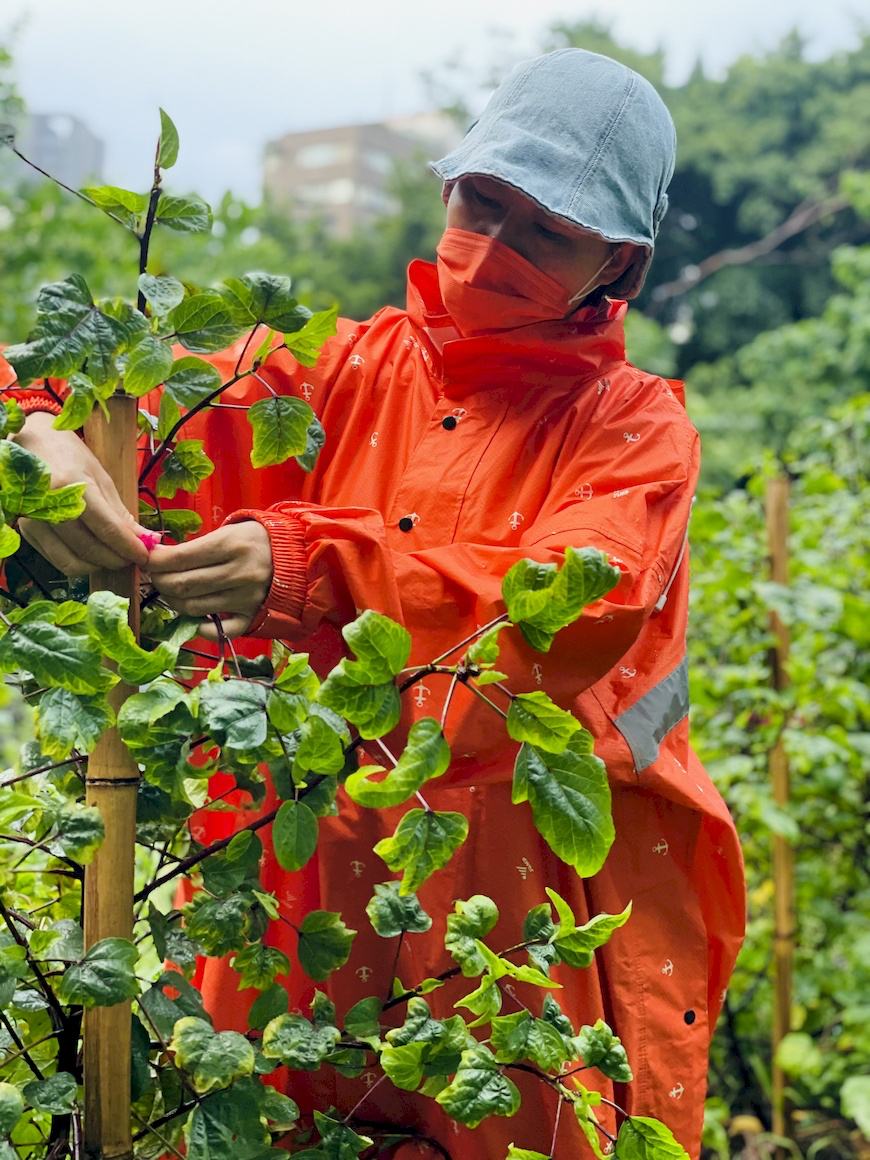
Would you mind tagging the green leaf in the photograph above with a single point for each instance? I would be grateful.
(25, 485)
(324, 943)
(536, 718)
(305, 343)
(374, 709)
(107, 620)
(11, 417)
(190, 215)
(642, 1138)
(798, 1054)
(578, 946)
(227, 1125)
(162, 293)
(176, 522)
(297, 1043)
(338, 1141)
(10, 541)
(231, 868)
(80, 831)
(105, 976)
(170, 414)
(294, 835)
(485, 650)
(320, 748)
(521, 1036)
(479, 1089)
(569, 795)
(148, 364)
(490, 677)
(315, 438)
(542, 600)
(264, 298)
(472, 919)
(404, 1065)
(268, 1005)
(167, 149)
(280, 428)
(116, 200)
(202, 323)
(363, 1020)
(11, 1107)
(515, 1153)
(424, 841)
(391, 913)
(170, 941)
(82, 396)
(381, 646)
(55, 657)
(65, 722)
(281, 1112)
(57, 1094)
(599, 1047)
(426, 755)
(69, 330)
(190, 380)
(234, 712)
(143, 710)
(186, 466)
(212, 1059)
(855, 1101)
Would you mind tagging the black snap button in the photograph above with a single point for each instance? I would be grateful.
(449, 422)
(406, 523)
(689, 1017)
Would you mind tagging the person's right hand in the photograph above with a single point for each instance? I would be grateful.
(106, 534)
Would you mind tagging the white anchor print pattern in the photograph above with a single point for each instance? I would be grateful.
(421, 692)
(627, 671)
(373, 439)
(667, 968)
(584, 491)
(538, 673)
(356, 361)
(516, 518)
(661, 847)
(631, 436)
(676, 1091)
(357, 868)
(525, 868)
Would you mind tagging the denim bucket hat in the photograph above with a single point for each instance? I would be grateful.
(588, 139)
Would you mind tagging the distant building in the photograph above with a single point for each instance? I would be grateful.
(341, 175)
(63, 146)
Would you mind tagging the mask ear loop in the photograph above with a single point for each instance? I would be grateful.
(591, 284)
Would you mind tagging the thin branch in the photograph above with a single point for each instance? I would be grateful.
(473, 636)
(155, 456)
(474, 689)
(23, 1050)
(75, 192)
(804, 216)
(559, 1106)
(43, 769)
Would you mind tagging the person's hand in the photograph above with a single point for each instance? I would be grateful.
(227, 571)
(106, 535)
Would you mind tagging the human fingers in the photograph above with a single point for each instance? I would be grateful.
(232, 625)
(213, 548)
(176, 586)
(228, 602)
(70, 547)
(109, 523)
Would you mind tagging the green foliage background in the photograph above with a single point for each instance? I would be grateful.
(772, 350)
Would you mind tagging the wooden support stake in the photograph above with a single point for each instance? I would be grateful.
(777, 512)
(111, 785)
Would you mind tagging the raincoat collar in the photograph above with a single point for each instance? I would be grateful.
(559, 354)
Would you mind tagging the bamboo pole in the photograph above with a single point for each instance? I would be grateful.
(777, 513)
(111, 783)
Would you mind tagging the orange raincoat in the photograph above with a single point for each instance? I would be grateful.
(445, 463)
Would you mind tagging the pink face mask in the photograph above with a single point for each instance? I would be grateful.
(486, 286)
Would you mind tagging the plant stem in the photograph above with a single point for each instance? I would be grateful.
(363, 1099)
(145, 239)
(43, 769)
(23, 1050)
(556, 1125)
(472, 636)
(473, 689)
(155, 456)
(75, 192)
(395, 966)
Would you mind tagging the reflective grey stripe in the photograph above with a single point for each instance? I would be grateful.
(652, 717)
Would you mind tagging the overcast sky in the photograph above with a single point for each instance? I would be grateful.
(235, 73)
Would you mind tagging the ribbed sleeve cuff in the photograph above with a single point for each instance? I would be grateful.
(286, 599)
(31, 401)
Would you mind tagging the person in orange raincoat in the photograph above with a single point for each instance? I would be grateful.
(495, 418)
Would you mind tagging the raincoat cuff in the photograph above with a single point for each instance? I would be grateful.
(30, 401)
(283, 606)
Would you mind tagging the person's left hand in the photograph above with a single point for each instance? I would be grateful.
(228, 571)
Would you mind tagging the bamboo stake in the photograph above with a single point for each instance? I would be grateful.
(111, 782)
(777, 512)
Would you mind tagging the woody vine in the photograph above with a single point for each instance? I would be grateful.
(114, 672)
